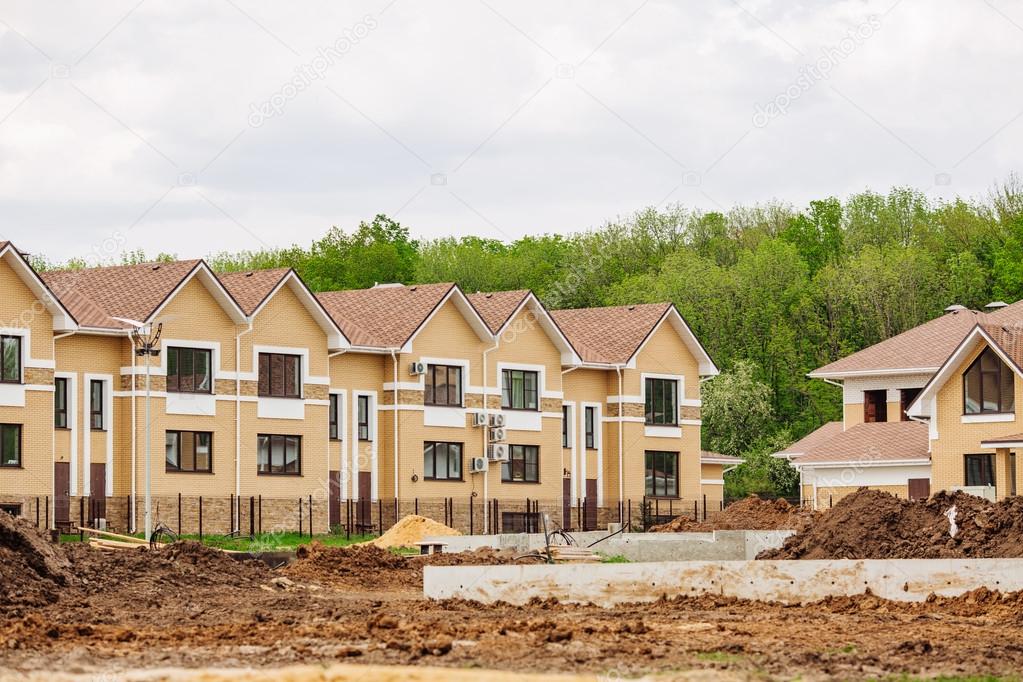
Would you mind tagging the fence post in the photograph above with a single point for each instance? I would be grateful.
(696, 510)
(127, 514)
(37, 512)
(396, 507)
(417, 506)
(47, 511)
(348, 518)
(179, 514)
(200, 518)
(831, 500)
(252, 516)
(705, 507)
(380, 515)
(471, 528)
(81, 519)
(630, 514)
(300, 517)
(310, 516)
(260, 514)
(230, 509)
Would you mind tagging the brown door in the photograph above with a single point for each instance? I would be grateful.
(364, 513)
(62, 495)
(334, 498)
(590, 505)
(919, 488)
(97, 492)
(566, 503)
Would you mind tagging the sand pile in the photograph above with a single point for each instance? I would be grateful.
(870, 524)
(751, 513)
(32, 570)
(411, 530)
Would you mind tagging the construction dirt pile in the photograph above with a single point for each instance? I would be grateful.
(751, 513)
(32, 570)
(368, 567)
(411, 530)
(870, 524)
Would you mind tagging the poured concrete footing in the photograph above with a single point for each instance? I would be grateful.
(780, 581)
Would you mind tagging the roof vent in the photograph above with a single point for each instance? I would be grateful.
(994, 305)
(955, 308)
(632, 307)
(488, 296)
(411, 288)
(249, 274)
(155, 268)
(387, 285)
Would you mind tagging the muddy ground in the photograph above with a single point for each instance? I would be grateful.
(191, 607)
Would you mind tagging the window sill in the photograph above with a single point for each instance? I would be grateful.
(521, 482)
(12, 466)
(674, 425)
(662, 497)
(443, 480)
(520, 409)
(454, 407)
(179, 471)
(989, 418)
(276, 473)
(193, 393)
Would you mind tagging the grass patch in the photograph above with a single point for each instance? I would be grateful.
(267, 542)
(616, 559)
(718, 657)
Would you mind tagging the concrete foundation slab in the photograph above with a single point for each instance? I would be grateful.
(781, 581)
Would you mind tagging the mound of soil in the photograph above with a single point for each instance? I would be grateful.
(32, 570)
(870, 524)
(751, 513)
(411, 530)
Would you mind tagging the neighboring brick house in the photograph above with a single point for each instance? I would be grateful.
(263, 390)
(897, 398)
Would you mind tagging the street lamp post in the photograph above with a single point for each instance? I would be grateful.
(146, 340)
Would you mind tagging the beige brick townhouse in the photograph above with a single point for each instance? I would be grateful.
(394, 397)
(921, 413)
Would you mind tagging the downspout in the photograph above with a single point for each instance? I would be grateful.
(394, 434)
(621, 437)
(486, 427)
(238, 415)
(53, 433)
(343, 492)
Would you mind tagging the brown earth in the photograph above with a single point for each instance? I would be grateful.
(191, 606)
(870, 524)
(751, 513)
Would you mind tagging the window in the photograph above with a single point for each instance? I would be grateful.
(10, 367)
(189, 370)
(96, 405)
(279, 455)
(442, 461)
(980, 470)
(565, 430)
(661, 474)
(519, 389)
(12, 509)
(875, 406)
(591, 415)
(987, 386)
(906, 398)
(662, 402)
(10, 445)
(190, 451)
(334, 415)
(280, 376)
(364, 417)
(60, 403)
(523, 465)
(443, 385)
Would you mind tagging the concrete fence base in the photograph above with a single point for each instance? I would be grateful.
(779, 581)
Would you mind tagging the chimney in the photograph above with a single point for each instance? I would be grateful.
(955, 308)
(995, 305)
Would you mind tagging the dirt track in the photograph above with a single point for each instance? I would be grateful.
(202, 609)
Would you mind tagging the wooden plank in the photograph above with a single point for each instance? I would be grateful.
(115, 536)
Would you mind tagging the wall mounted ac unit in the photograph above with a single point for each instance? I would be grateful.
(479, 419)
(497, 420)
(498, 452)
(479, 465)
(417, 368)
(498, 435)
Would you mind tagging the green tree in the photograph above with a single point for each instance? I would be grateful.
(736, 410)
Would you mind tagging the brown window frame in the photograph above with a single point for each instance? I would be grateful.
(195, 449)
(990, 466)
(5, 376)
(13, 508)
(668, 403)
(3, 446)
(518, 452)
(906, 398)
(448, 445)
(507, 401)
(334, 416)
(97, 408)
(267, 369)
(174, 381)
(282, 439)
(430, 386)
(1001, 371)
(362, 412)
(650, 476)
(565, 442)
(590, 426)
(60, 403)
(880, 407)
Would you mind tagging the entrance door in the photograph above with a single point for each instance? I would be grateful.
(590, 505)
(334, 498)
(98, 492)
(364, 512)
(919, 488)
(566, 504)
(62, 495)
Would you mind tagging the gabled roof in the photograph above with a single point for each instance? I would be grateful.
(499, 308)
(811, 441)
(921, 349)
(255, 288)
(615, 335)
(389, 316)
(872, 444)
(63, 318)
(136, 292)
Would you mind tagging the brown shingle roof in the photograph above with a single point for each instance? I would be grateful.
(609, 335)
(811, 440)
(1009, 339)
(96, 295)
(876, 442)
(496, 307)
(718, 458)
(384, 316)
(250, 289)
(1013, 438)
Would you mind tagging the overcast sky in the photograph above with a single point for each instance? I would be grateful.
(195, 127)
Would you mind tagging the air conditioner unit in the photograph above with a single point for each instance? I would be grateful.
(497, 420)
(497, 452)
(417, 368)
(498, 435)
(479, 465)
(479, 419)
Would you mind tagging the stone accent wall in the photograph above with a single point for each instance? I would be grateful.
(250, 388)
(316, 391)
(270, 515)
(631, 410)
(550, 405)
(39, 375)
(474, 400)
(689, 413)
(405, 397)
(224, 386)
